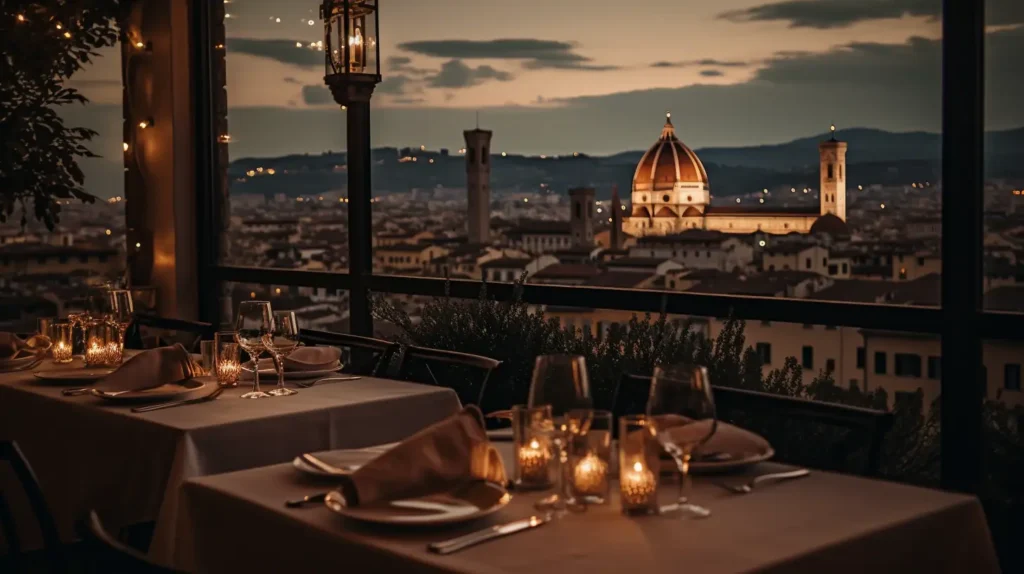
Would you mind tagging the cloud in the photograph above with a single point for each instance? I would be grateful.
(394, 85)
(712, 73)
(704, 62)
(284, 51)
(403, 65)
(918, 62)
(409, 100)
(842, 13)
(316, 95)
(535, 54)
(291, 80)
(456, 74)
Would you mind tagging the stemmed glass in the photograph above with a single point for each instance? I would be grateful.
(280, 342)
(121, 311)
(561, 382)
(683, 409)
(255, 322)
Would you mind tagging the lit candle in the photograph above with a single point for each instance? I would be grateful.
(588, 478)
(637, 485)
(95, 354)
(227, 372)
(62, 352)
(533, 462)
(113, 353)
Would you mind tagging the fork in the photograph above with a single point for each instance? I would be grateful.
(308, 384)
(773, 477)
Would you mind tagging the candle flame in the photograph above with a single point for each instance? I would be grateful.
(637, 467)
(534, 444)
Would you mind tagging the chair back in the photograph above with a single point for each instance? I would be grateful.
(464, 373)
(797, 428)
(107, 554)
(365, 356)
(11, 454)
(150, 331)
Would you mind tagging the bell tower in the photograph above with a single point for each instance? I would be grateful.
(832, 191)
(581, 218)
(478, 184)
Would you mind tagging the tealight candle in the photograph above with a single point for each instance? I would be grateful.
(95, 354)
(589, 476)
(533, 462)
(228, 372)
(637, 484)
(62, 352)
(113, 353)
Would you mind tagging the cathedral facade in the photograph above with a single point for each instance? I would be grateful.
(671, 194)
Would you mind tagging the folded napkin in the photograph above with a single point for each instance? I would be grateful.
(151, 369)
(727, 439)
(436, 459)
(14, 347)
(306, 359)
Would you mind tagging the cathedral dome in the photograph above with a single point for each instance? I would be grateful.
(830, 224)
(667, 163)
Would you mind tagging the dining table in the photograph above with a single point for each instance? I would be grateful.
(93, 454)
(825, 522)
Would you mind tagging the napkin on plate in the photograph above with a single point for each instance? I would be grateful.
(150, 369)
(13, 347)
(307, 359)
(436, 459)
(730, 440)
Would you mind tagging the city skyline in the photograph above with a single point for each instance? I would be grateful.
(739, 72)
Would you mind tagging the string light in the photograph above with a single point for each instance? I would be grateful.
(21, 17)
(140, 45)
(138, 245)
(125, 144)
(108, 232)
(67, 34)
(145, 123)
(59, 27)
(224, 138)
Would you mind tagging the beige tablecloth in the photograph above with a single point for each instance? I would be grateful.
(826, 523)
(89, 453)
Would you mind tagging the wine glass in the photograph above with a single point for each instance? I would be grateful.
(255, 322)
(561, 382)
(280, 342)
(121, 310)
(683, 409)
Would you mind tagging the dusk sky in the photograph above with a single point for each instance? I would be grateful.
(597, 75)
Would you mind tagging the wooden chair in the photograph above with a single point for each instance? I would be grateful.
(149, 331)
(52, 547)
(107, 554)
(365, 355)
(772, 415)
(410, 363)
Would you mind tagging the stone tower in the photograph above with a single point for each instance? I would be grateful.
(615, 239)
(581, 216)
(832, 190)
(478, 183)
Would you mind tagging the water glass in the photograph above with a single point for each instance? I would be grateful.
(255, 322)
(639, 454)
(534, 452)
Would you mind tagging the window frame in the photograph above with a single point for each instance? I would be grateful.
(961, 321)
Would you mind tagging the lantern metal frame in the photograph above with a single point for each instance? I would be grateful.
(346, 81)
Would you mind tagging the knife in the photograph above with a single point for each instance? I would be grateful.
(168, 405)
(473, 538)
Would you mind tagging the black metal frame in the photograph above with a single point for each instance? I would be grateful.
(961, 321)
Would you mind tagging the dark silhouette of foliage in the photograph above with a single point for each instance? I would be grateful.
(44, 43)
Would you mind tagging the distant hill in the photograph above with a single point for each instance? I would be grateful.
(875, 156)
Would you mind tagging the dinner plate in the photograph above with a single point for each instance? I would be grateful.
(350, 459)
(725, 463)
(62, 376)
(24, 359)
(161, 393)
(271, 374)
(470, 501)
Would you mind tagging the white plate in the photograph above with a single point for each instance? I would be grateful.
(723, 466)
(161, 393)
(271, 374)
(350, 459)
(72, 375)
(468, 502)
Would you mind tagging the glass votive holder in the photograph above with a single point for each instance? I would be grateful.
(589, 454)
(227, 359)
(208, 358)
(103, 347)
(639, 454)
(534, 452)
(62, 334)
